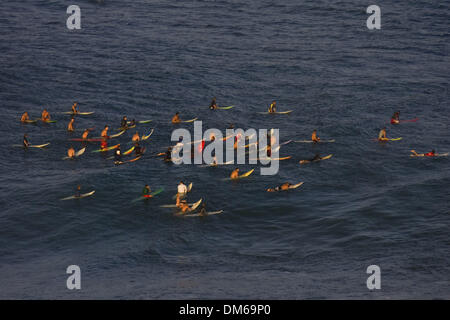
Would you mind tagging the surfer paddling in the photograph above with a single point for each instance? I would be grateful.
(184, 207)
(317, 157)
(432, 153)
(284, 186)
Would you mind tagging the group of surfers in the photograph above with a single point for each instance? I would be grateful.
(182, 189)
(272, 108)
(138, 150)
(181, 203)
(125, 125)
(45, 116)
(382, 138)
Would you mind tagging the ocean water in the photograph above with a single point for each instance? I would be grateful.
(370, 204)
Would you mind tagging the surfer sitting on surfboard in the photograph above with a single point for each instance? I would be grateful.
(74, 108)
(124, 123)
(428, 154)
(85, 134)
(314, 136)
(235, 173)
(182, 190)
(105, 132)
(284, 186)
(26, 143)
(71, 152)
(382, 135)
(70, 126)
(176, 118)
(273, 107)
(136, 137)
(395, 118)
(45, 115)
(25, 117)
(78, 192)
(146, 192)
(213, 104)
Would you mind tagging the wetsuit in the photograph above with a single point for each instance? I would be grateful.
(124, 124)
(25, 142)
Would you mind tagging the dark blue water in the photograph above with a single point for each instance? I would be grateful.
(369, 204)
